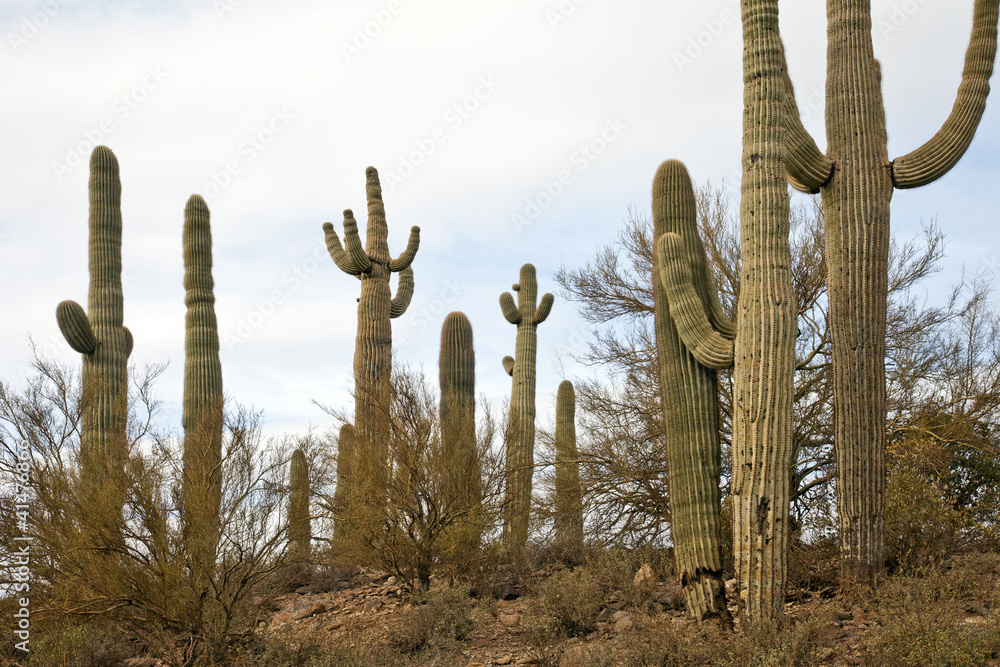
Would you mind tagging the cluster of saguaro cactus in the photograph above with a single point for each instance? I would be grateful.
(689, 356)
(569, 500)
(527, 314)
(457, 378)
(376, 306)
(299, 523)
(101, 338)
(856, 179)
(203, 402)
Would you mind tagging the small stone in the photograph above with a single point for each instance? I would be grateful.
(619, 615)
(311, 589)
(373, 605)
(391, 581)
(624, 624)
(504, 660)
(510, 620)
(644, 577)
(528, 660)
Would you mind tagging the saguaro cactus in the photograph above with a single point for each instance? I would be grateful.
(203, 402)
(569, 502)
(457, 378)
(527, 314)
(99, 334)
(856, 179)
(766, 328)
(373, 348)
(689, 357)
(346, 492)
(299, 524)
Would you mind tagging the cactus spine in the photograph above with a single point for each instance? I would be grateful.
(299, 524)
(527, 315)
(766, 328)
(682, 291)
(457, 378)
(569, 502)
(373, 348)
(202, 418)
(856, 179)
(101, 338)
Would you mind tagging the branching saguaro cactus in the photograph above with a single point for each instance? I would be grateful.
(203, 402)
(693, 339)
(457, 379)
(527, 314)
(569, 500)
(99, 334)
(376, 306)
(766, 328)
(299, 524)
(856, 179)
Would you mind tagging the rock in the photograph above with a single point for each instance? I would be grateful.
(619, 615)
(373, 605)
(644, 577)
(509, 592)
(575, 656)
(391, 581)
(510, 620)
(300, 610)
(529, 660)
(623, 623)
(475, 664)
(310, 589)
(505, 660)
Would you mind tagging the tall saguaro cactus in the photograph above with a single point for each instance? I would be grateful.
(203, 402)
(694, 339)
(99, 334)
(569, 501)
(764, 357)
(856, 179)
(457, 379)
(299, 524)
(376, 307)
(527, 314)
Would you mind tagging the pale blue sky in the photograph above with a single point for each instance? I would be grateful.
(273, 111)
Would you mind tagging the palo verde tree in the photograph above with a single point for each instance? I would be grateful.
(856, 179)
(376, 308)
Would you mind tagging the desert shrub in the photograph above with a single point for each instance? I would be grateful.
(437, 617)
(77, 645)
(924, 623)
(813, 567)
(572, 600)
(616, 569)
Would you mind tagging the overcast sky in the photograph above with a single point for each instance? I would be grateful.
(471, 111)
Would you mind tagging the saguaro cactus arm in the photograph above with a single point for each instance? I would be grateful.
(404, 292)
(508, 365)
(510, 311)
(354, 260)
(544, 308)
(75, 327)
(404, 260)
(806, 166)
(936, 157)
(709, 348)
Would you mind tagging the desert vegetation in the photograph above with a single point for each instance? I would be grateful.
(786, 456)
